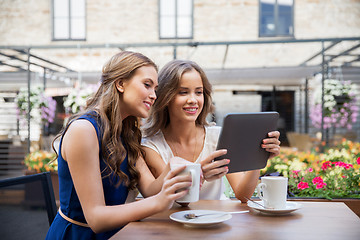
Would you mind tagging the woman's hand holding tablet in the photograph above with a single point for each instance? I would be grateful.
(242, 135)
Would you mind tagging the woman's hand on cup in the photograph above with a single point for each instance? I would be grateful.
(272, 144)
(213, 170)
(179, 161)
(174, 187)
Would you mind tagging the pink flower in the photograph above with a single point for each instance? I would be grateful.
(326, 165)
(358, 160)
(344, 165)
(302, 185)
(296, 173)
(343, 176)
(310, 169)
(320, 185)
(348, 165)
(340, 164)
(317, 180)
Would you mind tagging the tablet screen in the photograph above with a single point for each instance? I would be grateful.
(242, 135)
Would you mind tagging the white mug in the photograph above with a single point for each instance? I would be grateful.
(273, 191)
(193, 169)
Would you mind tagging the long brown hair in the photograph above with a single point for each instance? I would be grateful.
(115, 133)
(169, 83)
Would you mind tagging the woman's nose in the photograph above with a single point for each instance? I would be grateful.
(153, 95)
(191, 99)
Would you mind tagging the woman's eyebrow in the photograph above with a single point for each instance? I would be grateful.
(188, 88)
(149, 79)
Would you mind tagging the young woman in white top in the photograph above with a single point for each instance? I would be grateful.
(177, 126)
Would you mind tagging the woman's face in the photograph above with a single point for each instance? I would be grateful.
(138, 93)
(189, 100)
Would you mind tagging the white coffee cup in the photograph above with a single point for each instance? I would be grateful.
(193, 169)
(273, 191)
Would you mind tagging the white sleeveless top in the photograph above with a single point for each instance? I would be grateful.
(213, 190)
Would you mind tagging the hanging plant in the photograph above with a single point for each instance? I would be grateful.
(42, 107)
(340, 108)
(76, 100)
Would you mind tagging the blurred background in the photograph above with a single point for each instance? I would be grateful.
(260, 55)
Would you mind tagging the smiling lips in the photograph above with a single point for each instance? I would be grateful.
(148, 105)
(191, 110)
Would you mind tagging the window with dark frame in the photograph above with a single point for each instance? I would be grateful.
(276, 18)
(175, 19)
(69, 20)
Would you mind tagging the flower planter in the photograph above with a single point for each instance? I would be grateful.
(352, 203)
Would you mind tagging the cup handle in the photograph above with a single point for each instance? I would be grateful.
(193, 173)
(260, 193)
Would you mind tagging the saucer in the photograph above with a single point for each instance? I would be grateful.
(290, 207)
(216, 217)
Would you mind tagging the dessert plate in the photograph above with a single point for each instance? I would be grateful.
(214, 217)
(290, 207)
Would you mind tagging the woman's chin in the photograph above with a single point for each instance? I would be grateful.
(144, 115)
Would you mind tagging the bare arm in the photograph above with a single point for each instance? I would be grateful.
(211, 170)
(148, 185)
(154, 161)
(81, 151)
(243, 183)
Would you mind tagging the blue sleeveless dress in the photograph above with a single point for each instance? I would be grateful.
(69, 202)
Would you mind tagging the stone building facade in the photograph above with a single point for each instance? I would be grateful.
(29, 23)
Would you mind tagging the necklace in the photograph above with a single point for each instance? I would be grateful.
(176, 154)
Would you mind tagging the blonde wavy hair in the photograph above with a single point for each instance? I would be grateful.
(118, 137)
(169, 83)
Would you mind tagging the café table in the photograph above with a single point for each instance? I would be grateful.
(314, 220)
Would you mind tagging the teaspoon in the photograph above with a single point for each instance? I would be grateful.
(258, 203)
(193, 215)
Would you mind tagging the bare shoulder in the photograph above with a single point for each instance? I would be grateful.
(81, 124)
(80, 136)
(81, 128)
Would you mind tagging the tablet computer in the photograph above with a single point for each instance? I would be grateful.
(242, 135)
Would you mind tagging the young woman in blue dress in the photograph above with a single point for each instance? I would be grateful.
(100, 158)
